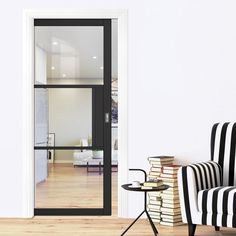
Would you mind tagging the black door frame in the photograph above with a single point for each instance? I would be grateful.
(106, 210)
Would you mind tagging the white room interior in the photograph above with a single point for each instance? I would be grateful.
(181, 80)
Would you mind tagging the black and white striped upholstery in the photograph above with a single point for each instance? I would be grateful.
(218, 206)
(192, 179)
(223, 143)
(208, 190)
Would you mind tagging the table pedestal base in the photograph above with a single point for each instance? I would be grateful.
(150, 221)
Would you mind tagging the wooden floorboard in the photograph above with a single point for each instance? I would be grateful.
(99, 226)
(51, 194)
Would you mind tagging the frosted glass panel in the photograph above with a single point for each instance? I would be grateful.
(41, 117)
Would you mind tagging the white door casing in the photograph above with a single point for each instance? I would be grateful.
(28, 98)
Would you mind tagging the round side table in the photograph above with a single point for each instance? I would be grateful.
(129, 187)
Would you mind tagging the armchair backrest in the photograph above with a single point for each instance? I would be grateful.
(223, 144)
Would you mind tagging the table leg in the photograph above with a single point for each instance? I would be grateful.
(152, 224)
(132, 223)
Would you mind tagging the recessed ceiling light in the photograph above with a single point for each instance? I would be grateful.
(63, 75)
(54, 43)
(53, 68)
(94, 57)
(101, 67)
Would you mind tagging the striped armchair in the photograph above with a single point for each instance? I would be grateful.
(208, 190)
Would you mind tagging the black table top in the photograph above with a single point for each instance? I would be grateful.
(138, 189)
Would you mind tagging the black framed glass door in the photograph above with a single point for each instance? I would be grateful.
(72, 116)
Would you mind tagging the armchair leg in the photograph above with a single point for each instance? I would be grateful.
(217, 228)
(191, 229)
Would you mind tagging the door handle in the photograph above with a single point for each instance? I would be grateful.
(107, 117)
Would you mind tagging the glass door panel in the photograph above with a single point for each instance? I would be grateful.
(74, 54)
(60, 185)
(72, 117)
(66, 112)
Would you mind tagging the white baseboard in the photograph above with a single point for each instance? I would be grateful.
(63, 161)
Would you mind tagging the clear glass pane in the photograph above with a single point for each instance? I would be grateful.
(64, 114)
(69, 54)
(74, 179)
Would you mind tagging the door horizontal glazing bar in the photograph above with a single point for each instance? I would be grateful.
(67, 148)
(67, 86)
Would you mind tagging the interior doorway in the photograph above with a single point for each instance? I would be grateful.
(76, 116)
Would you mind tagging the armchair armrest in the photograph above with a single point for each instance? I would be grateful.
(192, 179)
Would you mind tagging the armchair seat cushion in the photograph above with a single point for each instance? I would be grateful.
(219, 200)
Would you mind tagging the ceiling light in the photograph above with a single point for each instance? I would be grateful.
(53, 68)
(101, 67)
(94, 57)
(63, 75)
(55, 43)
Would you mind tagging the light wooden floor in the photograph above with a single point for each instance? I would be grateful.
(88, 226)
(99, 226)
(71, 187)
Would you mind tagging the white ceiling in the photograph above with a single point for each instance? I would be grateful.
(71, 50)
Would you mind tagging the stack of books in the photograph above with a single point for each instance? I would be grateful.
(155, 200)
(154, 206)
(156, 165)
(152, 183)
(170, 208)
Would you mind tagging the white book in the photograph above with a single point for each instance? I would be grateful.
(155, 216)
(170, 171)
(170, 213)
(176, 205)
(171, 201)
(155, 213)
(157, 208)
(155, 202)
(157, 169)
(152, 177)
(168, 181)
(170, 196)
(154, 198)
(152, 206)
(170, 210)
(161, 158)
(171, 192)
(173, 219)
(171, 216)
(154, 194)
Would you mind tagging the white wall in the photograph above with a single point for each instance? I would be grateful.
(182, 57)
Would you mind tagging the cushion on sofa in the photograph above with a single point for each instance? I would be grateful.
(219, 200)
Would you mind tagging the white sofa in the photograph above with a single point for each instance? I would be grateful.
(86, 157)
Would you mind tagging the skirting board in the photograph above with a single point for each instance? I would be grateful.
(63, 161)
